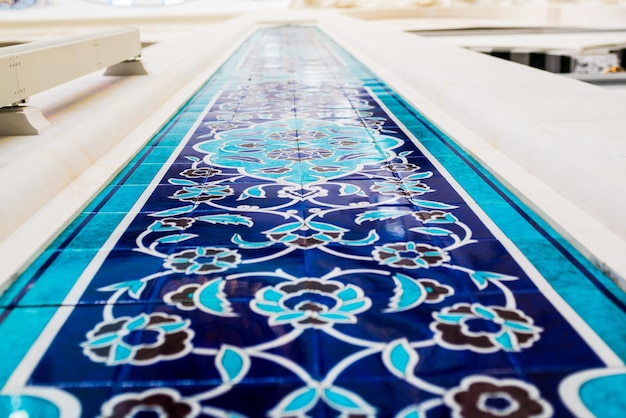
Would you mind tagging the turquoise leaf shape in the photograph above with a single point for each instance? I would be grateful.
(507, 340)
(324, 227)
(182, 182)
(371, 238)
(408, 294)
(173, 212)
(256, 192)
(137, 323)
(211, 298)
(432, 205)
(481, 278)
(351, 189)
(345, 401)
(105, 340)
(379, 215)
(134, 287)
(420, 176)
(437, 232)
(232, 364)
(236, 239)
(283, 229)
(400, 358)
(296, 403)
(413, 411)
(349, 293)
(119, 354)
(227, 220)
(173, 327)
(172, 239)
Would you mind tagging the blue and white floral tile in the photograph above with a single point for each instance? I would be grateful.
(299, 241)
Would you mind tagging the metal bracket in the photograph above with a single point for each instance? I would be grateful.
(125, 68)
(21, 120)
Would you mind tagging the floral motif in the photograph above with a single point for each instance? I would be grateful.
(306, 235)
(434, 217)
(410, 255)
(401, 167)
(299, 154)
(486, 397)
(310, 303)
(183, 297)
(195, 173)
(357, 150)
(203, 260)
(141, 340)
(484, 328)
(276, 170)
(435, 291)
(203, 193)
(172, 224)
(403, 188)
(162, 402)
(300, 135)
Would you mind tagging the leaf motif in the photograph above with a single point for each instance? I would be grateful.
(256, 191)
(211, 298)
(370, 239)
(481, 278)
(413, 411)
(432, 205)
(172, 212)
(285, 228)
(182, 182)
(171, 239)
(134, 287)
(380, 215)
(438, 232)
(324, 227)
(405, 153)
(400, 358)
(227, 219)
(296, 403)
(245, 159)
(408, 294)
(420, 176)
(350, 189)
(349, 157)
(232, 364)
(347, 402)
(192, 158)
(236, 239)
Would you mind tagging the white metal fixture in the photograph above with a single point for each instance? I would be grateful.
(31, 68)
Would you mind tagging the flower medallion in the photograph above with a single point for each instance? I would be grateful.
(141, 340)
(484, 329)
(310, 303)
(162, 402)
(486, 397)
(410, 255)
(203, 260)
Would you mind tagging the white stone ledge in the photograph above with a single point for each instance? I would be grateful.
(534, 130)
(98, 124)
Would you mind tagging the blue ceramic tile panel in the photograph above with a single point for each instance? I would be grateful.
(298, 241)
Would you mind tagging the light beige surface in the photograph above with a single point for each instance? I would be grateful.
(98, 125)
